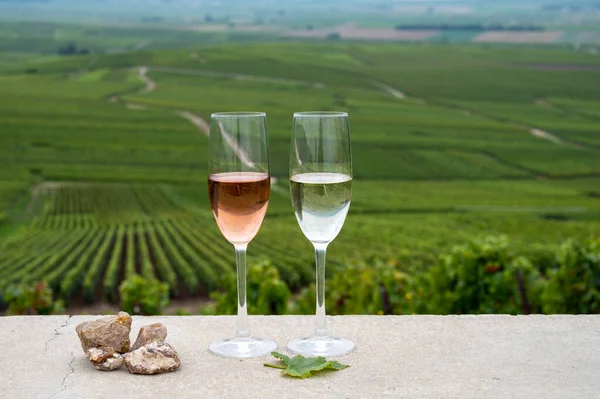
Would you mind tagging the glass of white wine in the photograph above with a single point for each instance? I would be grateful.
(321, 189)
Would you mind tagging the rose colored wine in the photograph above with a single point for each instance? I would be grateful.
(239, 203)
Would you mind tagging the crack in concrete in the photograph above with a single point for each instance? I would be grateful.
(56, 333)
(71, 371)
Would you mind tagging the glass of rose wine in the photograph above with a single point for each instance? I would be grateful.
(321, 188)
(238, 187)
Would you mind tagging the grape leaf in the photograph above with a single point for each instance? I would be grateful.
(302, 367)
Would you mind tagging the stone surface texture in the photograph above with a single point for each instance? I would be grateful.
(395, 357)
(106, 332)
(105, 359)
(151, 333)
(154, 358)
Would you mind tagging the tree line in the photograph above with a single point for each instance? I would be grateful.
(471, 27)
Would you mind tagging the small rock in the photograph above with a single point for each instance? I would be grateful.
(105, 359)
(154, 358)
(106, 332)
(151, 333)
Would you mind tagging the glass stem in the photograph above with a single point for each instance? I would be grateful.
(243, 328)
(321, 322)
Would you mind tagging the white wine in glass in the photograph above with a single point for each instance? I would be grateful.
(238, 187)
(321, 190)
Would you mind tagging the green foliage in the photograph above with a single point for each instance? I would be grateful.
(34, 299)
(71, 49)
(266, 293)
(574, 287)
(368, 287)
(304, 301)
(143, 296)
(301, 367)
(480, 277)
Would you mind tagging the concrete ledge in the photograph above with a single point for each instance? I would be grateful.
(396, 356)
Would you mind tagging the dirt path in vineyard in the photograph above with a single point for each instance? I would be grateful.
(534, 131)
(143, 76)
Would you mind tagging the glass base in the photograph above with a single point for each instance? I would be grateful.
(321, 346)
(243, 348)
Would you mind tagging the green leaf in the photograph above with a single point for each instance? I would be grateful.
(302, 367)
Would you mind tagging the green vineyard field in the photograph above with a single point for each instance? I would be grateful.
(103, 160)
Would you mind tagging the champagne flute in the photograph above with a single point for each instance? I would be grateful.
(321, 188)
(238, 186)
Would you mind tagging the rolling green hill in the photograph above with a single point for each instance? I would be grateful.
(103, 170)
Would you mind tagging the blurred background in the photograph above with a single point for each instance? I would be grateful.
(476, 137)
